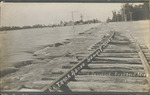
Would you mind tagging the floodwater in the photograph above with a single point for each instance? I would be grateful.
(19, 45)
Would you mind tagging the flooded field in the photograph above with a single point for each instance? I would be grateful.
(20, 44)
(34, 48)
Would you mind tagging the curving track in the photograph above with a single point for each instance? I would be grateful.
(118, 63)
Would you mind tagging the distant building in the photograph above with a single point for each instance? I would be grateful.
(80, 22)
(62, 23)
(70, 23)
(108, 20)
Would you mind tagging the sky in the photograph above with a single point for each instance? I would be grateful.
(21, 14)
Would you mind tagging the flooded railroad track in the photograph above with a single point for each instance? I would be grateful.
(117, 63)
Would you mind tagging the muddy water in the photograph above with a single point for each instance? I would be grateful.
(20, 44)
(31, 77)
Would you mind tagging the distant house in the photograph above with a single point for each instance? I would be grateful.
(79, 22)
(70, 23)
(62, 23)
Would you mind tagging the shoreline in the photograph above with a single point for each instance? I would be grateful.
(63, 26)
(21, 28)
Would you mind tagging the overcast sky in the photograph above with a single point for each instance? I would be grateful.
(20, 14)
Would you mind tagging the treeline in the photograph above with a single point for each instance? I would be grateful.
(69, 23)
(79, 22)
(92, 21)
(130, 12)
(6, 28)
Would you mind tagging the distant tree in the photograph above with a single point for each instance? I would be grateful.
(132, 12)
(114, 18)
(108, 20)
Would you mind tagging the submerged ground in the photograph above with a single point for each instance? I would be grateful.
(41, 63)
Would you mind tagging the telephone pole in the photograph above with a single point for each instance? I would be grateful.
(72, 19)
(131, 16)
(81, 17)
(125, 17)
(1, 13)
(149, 23)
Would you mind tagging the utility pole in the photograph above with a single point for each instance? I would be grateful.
(149, 23)
(124, 15)
(131, 16)
(72, 19)
(81, 17)
(1, 13)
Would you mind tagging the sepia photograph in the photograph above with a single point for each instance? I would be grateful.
(75, 47)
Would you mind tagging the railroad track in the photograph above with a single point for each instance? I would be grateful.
(117, 63)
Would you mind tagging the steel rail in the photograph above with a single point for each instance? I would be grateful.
(143, 60)
(62, 80)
